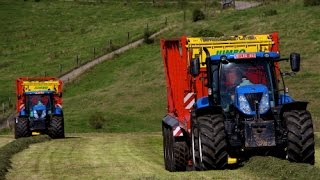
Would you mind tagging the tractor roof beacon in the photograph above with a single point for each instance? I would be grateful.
(225, 102)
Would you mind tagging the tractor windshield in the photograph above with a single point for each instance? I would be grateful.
(39, 100)
(241, 73)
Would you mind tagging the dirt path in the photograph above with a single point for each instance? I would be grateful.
(245, 4)
(78, 71)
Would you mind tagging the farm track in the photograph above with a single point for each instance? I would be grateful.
(78, 71)
(240, 5)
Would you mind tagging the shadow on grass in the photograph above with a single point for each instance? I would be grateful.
(72, 137)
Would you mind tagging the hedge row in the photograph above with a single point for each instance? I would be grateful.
(7, 151)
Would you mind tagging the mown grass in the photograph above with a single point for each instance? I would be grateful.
(5, 139)
(135, 156)
(9, 150)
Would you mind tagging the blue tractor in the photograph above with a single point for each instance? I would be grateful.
(248, 110)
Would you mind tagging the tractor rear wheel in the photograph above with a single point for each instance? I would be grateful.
(175, 153)
(22, 128)
(300, 141)
(209, 141)
(56, 127)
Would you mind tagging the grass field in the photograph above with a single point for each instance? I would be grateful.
(130, 90)
(5, 139)
(45, 37)
(134, 156)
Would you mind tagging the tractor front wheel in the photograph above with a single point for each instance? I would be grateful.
(300, 140)
(209, 143)
(56, 127)
(22, 128)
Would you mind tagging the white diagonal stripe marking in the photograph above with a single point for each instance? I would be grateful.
(187, 97)
(190, 104)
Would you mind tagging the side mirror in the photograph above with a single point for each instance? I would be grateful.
(195, 67)
(295, 62)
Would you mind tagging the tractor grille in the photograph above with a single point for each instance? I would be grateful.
(252, 98)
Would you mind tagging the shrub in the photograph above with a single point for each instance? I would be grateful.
(208, 33)
(270, 12)
(236, 27)
(197, 15)
(311, 2)
(96, 120)
(146, 37)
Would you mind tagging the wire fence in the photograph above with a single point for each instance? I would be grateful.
(8, 103)
(87, 55)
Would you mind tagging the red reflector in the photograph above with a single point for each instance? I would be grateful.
(245, 56)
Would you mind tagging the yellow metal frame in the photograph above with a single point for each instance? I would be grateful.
(31, 86)
(227, 45)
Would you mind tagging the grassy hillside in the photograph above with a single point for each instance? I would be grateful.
(45, 38)
(130, 90)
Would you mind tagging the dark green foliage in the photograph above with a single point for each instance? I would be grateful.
(208, 33)
(5, 131)
(96, 120)
(197, 15)
(146, 37)
(36, 0)
(270, 12)
(7, 151)
(236, 27)
(311, 2)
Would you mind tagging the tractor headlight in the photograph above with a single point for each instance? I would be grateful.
(244, 105)
(264, 104)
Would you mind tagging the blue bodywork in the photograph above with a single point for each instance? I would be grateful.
(284, 99)
(39, 92)
(202, 102)
(272, 55)
(245, 105)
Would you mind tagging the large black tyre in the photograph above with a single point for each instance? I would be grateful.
(56, 127)
(209, 143)
(300, 139)
(175, 153)
(22, 128)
